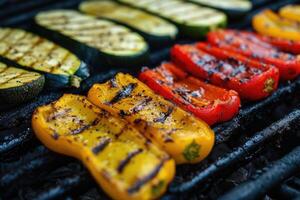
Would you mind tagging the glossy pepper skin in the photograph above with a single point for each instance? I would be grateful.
(183, 136)
(283, 44)
(271, 24)
(124, 163)
(208, 102)
(253, 47)
(291, 12)
(251, 79)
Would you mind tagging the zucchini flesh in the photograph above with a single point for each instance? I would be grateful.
(192, 20)
(18, 85)
(122, 161)
(39, 54)
(103, 35)
(137, 19)
(237, 5)
(185, 138)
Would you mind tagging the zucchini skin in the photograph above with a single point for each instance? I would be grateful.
(12, 96)
(155, 41)
(109, 147)
(100, 61)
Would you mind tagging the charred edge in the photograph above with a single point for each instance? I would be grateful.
(101, 145)
(164, 116)
(113, 82)
(125, 92)
(84, 127)
(126, 160)
(137, 185)
(141, 105)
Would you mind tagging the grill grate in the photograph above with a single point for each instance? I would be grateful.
(263, 132)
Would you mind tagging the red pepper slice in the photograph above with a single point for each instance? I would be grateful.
(208, 102)
(283, 44)
(251, 79)
(251, 46)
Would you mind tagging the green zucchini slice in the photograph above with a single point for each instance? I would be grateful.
(192, 20)
(18, 85)
(154, 29)
(231, 7)
(115, 45)
(33, 52)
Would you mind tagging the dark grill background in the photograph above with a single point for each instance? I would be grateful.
(260, 146)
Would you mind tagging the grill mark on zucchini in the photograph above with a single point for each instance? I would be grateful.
(139, 183)
(164, 116)
(123, 163)
(101, 146)
(125, 92)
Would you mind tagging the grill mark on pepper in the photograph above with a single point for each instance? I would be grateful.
(58, 113)
(139, 183)
(123, 93)
(141, 105)
(123, 163)
(84, 127)
(101, 145)
(164, 116)
(113, 82)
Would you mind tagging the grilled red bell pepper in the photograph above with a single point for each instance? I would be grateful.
(254, 47)
(283, 44)
(251, 79)
(208, 102)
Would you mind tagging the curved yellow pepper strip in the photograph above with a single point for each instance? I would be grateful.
(185, 138)
(291, 12)
(270, 24)
(124, 163)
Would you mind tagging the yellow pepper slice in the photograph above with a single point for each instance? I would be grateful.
(123, 162)
(185, 138)
(270, 24)
(291, 12)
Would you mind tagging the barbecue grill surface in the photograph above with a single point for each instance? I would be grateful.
(257, 154)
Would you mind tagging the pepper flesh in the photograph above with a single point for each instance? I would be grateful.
(270, 24)
(283, 44)
(208, 102)
(123, 162)
(185, 138)
(240, 42)
(252, 80)
(291, 12)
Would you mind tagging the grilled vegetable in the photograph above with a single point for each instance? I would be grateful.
(33, 52)
(192, 20)
(283, 44)
(231, 7)
(156, 30)
(18, 85)
(251, 79)
(270, 24)
(185, 138)
(123, 162)
(210, 103)
(96, 40)
(253, 47)
(291, 12)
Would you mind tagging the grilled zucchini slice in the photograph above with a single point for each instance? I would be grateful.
(123, 162)
(30, 51)
(192, 20)
(230, 7)
(155, 30)
(18, 85)
(109, 43)
(185, 138)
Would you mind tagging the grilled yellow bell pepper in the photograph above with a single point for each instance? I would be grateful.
(291, 12)
(124, 163)
(185, 138)
(270, 24)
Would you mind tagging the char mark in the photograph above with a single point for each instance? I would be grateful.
(126, 160)
(141, 105)
(123, 93)
(101, 145)
(138, 184)
(164, 116)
